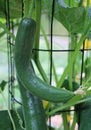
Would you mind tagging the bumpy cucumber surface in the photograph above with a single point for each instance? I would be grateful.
(34, 115)
(23, 52)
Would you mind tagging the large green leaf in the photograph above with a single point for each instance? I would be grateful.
(5, 123)
(72, 18)
(15, 8)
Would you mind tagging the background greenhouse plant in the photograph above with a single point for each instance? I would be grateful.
(74, 16)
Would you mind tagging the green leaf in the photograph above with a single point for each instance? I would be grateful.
(2, 85)
(6, 30)
(15, 8)
(72, 3)
(5, 122)
(71, 18)
(2, 33)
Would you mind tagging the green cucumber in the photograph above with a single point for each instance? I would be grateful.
(34, 115)
(23, 54)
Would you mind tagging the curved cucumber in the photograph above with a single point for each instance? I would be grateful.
(34, 115)
(23, 53)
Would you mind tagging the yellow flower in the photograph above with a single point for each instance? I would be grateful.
(85, 3)
(69, 118)
(87, 44)
(45, 103)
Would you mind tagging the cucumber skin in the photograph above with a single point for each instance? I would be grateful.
(23, 52)
(34, 115)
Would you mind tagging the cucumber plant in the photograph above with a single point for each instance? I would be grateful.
(76, 21)
(23, 53)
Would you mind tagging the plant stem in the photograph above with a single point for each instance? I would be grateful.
(67, 69)
(20, 120)
(71, 67)
(86, 15)
(37, 37)
(80, 3)
(40, 68)
(6, 30)
(31, 8)
(47, 44)
(74, 122)
(28, 8)
(65, 122)
(38, 22)
(72, 46)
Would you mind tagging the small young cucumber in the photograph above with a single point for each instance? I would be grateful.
(23, 53)
(34, 115)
